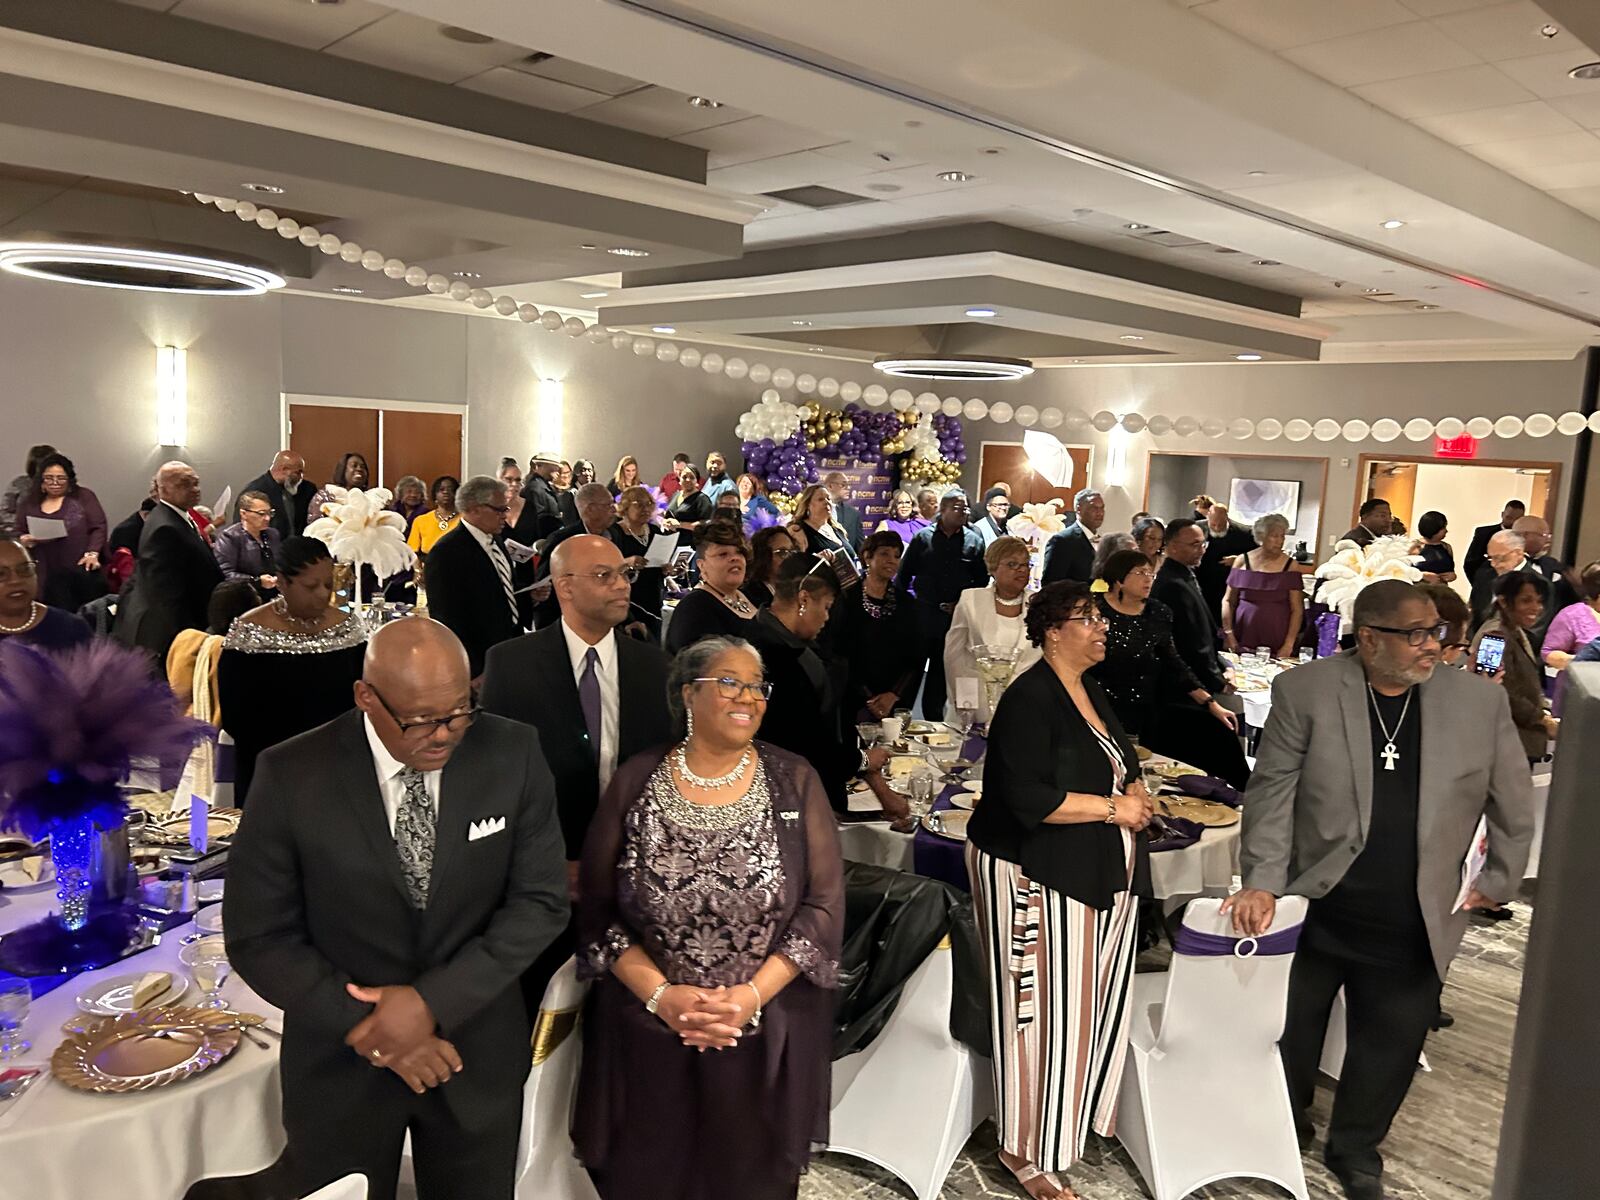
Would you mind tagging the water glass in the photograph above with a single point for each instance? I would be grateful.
(921, 792)
(1307, 654)
(1263, 655)
(15, 995)
(207, 960)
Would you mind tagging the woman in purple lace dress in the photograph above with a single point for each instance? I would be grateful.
(710, 917)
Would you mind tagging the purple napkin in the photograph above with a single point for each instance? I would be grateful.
(1204, 787)
(1177, 833)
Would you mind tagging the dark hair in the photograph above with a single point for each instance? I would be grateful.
(344, 461)
(1375, 502)
(992, 493)
(1589, 581)
(1123, 563)
(682, 457)
(805, 574)
(53, 459)
(1054, 603)
(1514, 503)
(1453, 610)
(1176, 526)
(882, 540)
(1378, 603)
(508, 461)
(699, 475)
(722, 533)
(730, 495)
(433, 488)
(230, 599)
(1509, 586)
(1145, 524)
(30, 465)
(148, 505)
(298, 553)
(761, 556)
(1430, 523)
(1111, 543)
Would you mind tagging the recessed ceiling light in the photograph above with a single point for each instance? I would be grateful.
(980, 312)
(799, 322)
(1130, 337)
(1135, 225)
(1256, 174)
(470, 37)
(327, 1)
(704, 102)
(1266, 262)
(270, 189)
(818, 348)
(348, 291)
(662, 329)
(1392, 223)
(628, 252)
(992, 150)
(588, 246)
(1427, 308)
(1248, 357)
(1372, 291)
(593, 295)
(1548, 30)
(1586, 71)
(955, 177)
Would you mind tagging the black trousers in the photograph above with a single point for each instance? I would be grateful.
(1388, 1011)
(932, 624)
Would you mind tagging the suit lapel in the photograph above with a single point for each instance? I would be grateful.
(366, 802)
(1353, 703)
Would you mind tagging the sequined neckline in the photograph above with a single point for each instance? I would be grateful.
(258, 639)
(683, 812)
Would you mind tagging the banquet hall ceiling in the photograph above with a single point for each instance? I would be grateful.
(1260, 145)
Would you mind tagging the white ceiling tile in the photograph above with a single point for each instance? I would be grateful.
(402, 42)
(660, 112)
(1585, 110)
(1556, 176)
(1462, 89)
(1438, 8)
(783, 171)
(1503, 31)
(871, 158)
(753, 138)
(580, 75)
(1533, 118)
(1540, 151)
(1546, 74)
(532, 90)
(1392, 53)
(1584, 199)
(1279, 24)
(292, 21)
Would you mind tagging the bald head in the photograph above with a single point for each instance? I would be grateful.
(415, 671)
(288, 468)
(1535, 533)
(1506, 551)
(178, 484)
(589, 582)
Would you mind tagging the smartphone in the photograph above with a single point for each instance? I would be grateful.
(1490, 651)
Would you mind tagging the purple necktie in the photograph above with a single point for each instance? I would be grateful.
(589, 698)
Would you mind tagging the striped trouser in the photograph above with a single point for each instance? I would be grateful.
(1060, 982)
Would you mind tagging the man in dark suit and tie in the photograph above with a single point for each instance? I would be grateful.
(846, 514)
(1477, 556)
(1225, 541)
(286, 488)
(468, 574)
(397, 870)
(176, 573)
(1194, 629)
(1070, 553)
(597, 513)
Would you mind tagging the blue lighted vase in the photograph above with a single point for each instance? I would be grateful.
(72, 851)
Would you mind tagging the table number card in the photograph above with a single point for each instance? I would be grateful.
(966, 692)
(199, 823)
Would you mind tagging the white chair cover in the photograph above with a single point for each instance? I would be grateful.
(1203, 1090)
(351, 1187)
(912, 1098)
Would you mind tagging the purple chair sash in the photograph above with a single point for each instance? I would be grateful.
(1215, 945)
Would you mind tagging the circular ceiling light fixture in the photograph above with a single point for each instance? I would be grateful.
(1393, 223)
(1585, 71)
(951, 366)
(955, 177)
(1248, 357)
(704, 102)
(134, 265)
(980, 312)
(628, 252)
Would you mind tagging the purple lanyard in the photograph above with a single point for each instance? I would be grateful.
(1215, 945)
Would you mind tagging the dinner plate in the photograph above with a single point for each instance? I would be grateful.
(209, 891)
(173, 830)
(966, 800)
(114, 997)
(146, 1049)
(12, 874)
(947, 823)
(209, 919)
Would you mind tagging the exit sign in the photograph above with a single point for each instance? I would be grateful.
(1465, 446)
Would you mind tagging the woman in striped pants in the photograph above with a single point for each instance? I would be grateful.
(1057, 861)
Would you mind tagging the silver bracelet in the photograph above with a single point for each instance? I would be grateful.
(755, 1019)
(651, 1004)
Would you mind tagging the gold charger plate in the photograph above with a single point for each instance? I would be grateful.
(947, 823)
(1175, 770)
(143, 1050)
(173, 830)
(1210, 813)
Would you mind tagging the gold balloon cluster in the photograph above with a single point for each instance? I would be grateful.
(924, 471)
(897, 444)
(784, 501)
(823, 427)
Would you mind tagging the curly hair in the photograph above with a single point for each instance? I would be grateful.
(1054, 603)
(722, 533)
(53, 459)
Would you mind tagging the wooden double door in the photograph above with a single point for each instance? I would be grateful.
(394, 441)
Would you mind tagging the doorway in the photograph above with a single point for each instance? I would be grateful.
(1007, 462)
(396, 438)
(1469, 494)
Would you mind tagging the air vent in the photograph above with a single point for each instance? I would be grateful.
(816, 196)
(534, 59)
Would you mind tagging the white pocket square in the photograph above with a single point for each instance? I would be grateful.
(485, 828)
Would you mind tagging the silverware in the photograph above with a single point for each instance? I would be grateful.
(12, 1089)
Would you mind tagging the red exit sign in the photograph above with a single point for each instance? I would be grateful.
(1465, 446)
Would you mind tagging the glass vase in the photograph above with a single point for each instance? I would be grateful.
(72, 850)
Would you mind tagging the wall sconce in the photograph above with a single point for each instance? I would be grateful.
(1117, 459)
(550, 416)
(172, 396)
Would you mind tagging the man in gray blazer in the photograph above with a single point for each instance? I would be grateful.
(1373, 771)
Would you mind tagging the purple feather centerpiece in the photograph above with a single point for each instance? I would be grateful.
(72, 726)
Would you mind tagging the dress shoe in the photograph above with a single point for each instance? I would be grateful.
(1443, 1020)
(1359, 1185)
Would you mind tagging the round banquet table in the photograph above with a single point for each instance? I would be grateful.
(155, 1145)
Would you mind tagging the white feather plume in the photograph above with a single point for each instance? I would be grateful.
(1352, 568)
(358, 527)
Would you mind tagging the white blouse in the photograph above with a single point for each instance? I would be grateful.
(976, 623)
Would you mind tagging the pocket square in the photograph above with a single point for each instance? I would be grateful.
(485, 828)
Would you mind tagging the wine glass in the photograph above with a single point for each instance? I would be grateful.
(15, 995)
(207, 960)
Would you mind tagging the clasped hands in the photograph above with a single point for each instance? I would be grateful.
(1134, 808)
(400, 1034)
(707, 1018)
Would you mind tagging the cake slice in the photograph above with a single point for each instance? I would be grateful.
(152, 986)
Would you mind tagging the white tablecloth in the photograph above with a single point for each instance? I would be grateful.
(1256, 707)
(154, 1146)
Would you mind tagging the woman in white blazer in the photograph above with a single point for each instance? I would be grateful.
(989, 616)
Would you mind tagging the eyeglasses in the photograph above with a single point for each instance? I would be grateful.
(1091, 619)
(1416, 635)
(502, 509)
(421, 731)
(733, 689)
(23, 570)
(1014, 564)
(784, 553)
(605, 576)
(52, 478)
(256, 512)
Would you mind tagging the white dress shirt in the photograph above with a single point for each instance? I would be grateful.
(610, 693)
(388, 768)
(188, 518)
(493, 549)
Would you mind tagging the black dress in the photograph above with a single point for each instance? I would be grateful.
(649, 589)
(804, 714)
(1148, 683)
(273, 685)
(1437, 558)
(879, 640)
(702, 615)
(690, 509)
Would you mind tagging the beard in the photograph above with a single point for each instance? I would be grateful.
(1386, 665)
(290, 488)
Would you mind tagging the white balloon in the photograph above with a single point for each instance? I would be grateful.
(1571, 423)
(266, 218)
(575, 326)
(1241, 428)
(667, 352)
(1356, 430)
(1539, 425)
(975, 409)
(1482, 427)
(288, 228)
(1159, 424)
(952, 406)
(689, 357)
(1385, 429)
(1269, 429)
(927, 403)
(1419, 429)
(395, 269)
(1297, 430)
(736, 368)
(1076, 421)
(805, 383)
(528, 313)
(1325, 430)
(875, 394)
(1450, 427)
(1213, 427)
(245, 211)
(415, 276)
(480, 298)
(771, 396)
(900, 399)
(330, 243)
(1104, 420)
(827, 387)
(459, 290)
(621, 341)
(783, 378)
(849, 391)
(1051, 418)
(644, 346)
(226, 203)
(351, 252)
(1186, 426)
(506, 306)
(1000, 412)
(1132, 422)
(711, 364)
(597, 334)
(760, 373)
(1028, 416)
(310, 236)
(552, 320)
(373, 260)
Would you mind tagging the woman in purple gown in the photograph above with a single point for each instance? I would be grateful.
(710, 917)
(1265, 600)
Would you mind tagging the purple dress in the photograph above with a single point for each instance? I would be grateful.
(1261, 612)
(907, 529)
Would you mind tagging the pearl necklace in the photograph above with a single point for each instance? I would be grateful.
(681, 760)
(35, 614)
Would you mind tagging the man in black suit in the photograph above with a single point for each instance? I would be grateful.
(1477, 556)
(1194, 629)
(540, 492)
(942, 561)
(395, 872)
(847, 514)
(1070, 553)
(286, 488)
(176, 573)
(468, 575)
(1375, 520)
(597, 513)
(1225, 541)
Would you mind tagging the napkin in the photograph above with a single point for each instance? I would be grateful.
(1204, 787)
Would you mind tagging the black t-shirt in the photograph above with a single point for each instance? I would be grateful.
(1372, 915)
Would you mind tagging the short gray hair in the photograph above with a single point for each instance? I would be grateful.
(592, 491)
(255, 498)
(1085, 496)
(1265, 525)
(480, 489)
(405, 481)
(692, 663)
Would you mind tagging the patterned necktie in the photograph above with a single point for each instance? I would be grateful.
(502, 565)
(589, 698)
(414, 826)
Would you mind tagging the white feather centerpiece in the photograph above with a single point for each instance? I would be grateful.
(1352, 568)
(1036, 524)
(359, 529)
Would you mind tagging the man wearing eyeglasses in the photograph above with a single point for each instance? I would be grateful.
(396, 871)
(1373, 771)
(469, 581)
(597, 513)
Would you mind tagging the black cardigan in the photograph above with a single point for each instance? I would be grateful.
(1041, 748)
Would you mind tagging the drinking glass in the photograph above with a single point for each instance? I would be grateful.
(207, 960)
(1306, 654)
(14, 997)
(1263, 655)
(921, 792)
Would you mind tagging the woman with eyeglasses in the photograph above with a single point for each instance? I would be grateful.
(715, 607)
(1057, 864)
(1156, 696)
(21, 615)
(633, 531)
(903, 518)
(769, 550)
(989, 616)
(288, 666)
(1149, 534)
(1519, 598)
(878, 636)
(710, 917)
(69, 566)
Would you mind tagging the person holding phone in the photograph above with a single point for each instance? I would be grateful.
(1501, 643)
